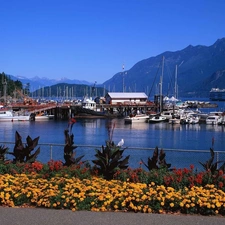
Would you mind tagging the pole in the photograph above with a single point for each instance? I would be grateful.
(123, 76)
(175, 85)
(161, 85)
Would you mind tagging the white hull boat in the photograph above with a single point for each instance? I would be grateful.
(174, 121)
(168, 114)
(213, 120)
(157, 119)
(136, 118)
(8, 115)
(44, 117)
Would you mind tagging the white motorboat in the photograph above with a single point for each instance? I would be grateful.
(136, 118)
(8, 115)
(168, 114)
(174, 121)
(43, 117)
(213, 119)
(157, 119)
(89, 103)
(193, 119)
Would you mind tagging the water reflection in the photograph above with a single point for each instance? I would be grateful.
(95, 132)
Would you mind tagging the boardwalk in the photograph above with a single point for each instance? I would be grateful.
(38, 216)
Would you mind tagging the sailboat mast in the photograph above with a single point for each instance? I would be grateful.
(161, 86)
(175, 85)
(123, 76)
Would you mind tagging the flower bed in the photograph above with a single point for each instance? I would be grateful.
(78, 188)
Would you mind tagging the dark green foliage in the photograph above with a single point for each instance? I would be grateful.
(109, 159)
(157, 161)
(23, 153)
(11, 85)
(69, 155)
(3, 151)
(211, 166)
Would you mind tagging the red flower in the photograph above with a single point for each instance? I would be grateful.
(191, 167)
(220, 172)
(220, 184)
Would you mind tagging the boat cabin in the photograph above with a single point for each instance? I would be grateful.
(88, 103)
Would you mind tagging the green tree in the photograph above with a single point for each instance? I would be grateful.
(8, 86)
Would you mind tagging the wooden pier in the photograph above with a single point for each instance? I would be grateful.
(68, 110)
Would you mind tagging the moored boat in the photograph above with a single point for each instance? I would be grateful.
(213, 120)
(8, 115)
(43, 117)
(174, 121)
(136, 118)
(168, 114)
(157, 119)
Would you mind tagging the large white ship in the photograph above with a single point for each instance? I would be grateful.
(217, 94)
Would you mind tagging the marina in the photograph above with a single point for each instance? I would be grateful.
(131, 106)
(180, 141)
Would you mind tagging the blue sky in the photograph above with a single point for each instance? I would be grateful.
(91, 39)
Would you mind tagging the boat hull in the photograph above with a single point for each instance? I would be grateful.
(6, 116)
(44, 118)
(157, 119)
(136, 119)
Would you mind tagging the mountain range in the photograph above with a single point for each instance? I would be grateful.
(199, 68)
(37, 82)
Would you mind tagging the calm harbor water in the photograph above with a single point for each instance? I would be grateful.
(94, 132)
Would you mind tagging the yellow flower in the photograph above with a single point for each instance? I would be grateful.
(171, 204)
(81, 199)
(218, 204)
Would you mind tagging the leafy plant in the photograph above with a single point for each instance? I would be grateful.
(3, 151)
(109, 158)
(23, 153)
(211, 166)
(69, 155)
(157, 161)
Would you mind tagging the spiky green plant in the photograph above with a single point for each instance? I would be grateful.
(212, 166)
(3, 151)
(157, 161)
(69, 155)
(109, 158)
(22, 153)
